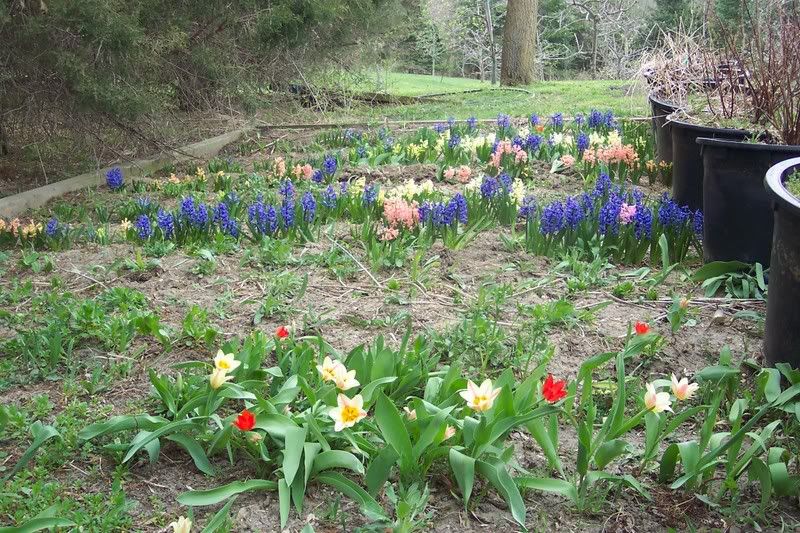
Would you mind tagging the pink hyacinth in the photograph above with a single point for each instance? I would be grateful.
(449, 173)
(464, 173)
(568, 160)
(280, 166)
(398, 212)
(388, 234)
(521, 156)
(626, 213)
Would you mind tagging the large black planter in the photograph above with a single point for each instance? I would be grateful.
(687, 162)
(737, 210)
(662, 129)
(782, 333)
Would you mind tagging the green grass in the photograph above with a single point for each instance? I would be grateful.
(543, 98)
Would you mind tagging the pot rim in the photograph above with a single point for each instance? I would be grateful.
(662, 102)
(748, 146)
(774, 184)
(707, 129)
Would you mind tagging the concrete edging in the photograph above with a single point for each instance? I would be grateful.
(12, 206)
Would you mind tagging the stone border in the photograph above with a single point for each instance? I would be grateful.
(12, 206)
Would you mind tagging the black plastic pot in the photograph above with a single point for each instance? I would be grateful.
(782, 333)
(737, 210)
(662, 130)
(687, 162)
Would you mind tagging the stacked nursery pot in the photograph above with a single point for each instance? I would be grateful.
(737, 210)
(687, 160)
(662, 129)
(782, 332)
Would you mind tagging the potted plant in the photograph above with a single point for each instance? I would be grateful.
(662, 131)
(738, 220)
(782, 332)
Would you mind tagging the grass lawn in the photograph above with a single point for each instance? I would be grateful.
(544, 98)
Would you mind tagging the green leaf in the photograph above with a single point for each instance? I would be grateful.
(372, 386)
(274, 424)
(394, 430)
(284, 501)
(121, 423)
(540, 435)
(758, 471)
(38, 524)
(718, 268)
(292, 452)
(41, 434)
(220, 518)
(337, 459)
(195, 450)
(199, 498)
(464, 471)
(351, 490)
(557, 486)
(782, 483)
(161, 431)
(502, 481)
(608, 451)
(380, 468)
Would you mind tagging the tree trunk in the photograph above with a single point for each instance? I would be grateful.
(492, 48)
(4, 145)
(519, 43)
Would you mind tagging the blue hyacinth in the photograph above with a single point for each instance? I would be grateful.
(552, 219)
(370, 194)
(573, 213)
(580, 119)
(287, 213)
(608, 217)
(272, 219)
(226, 224)
(557, 120)
(329, 197)
(424, 212)
(697, 223)
(528, 208)
(596, 119)
(503, 121)
(187, 207)
(388, 143)
(114, 178)
(166, 222)
(489, 187)
(670, 214)
(533, 142)
(361, 152)
(582, 142)
(143, 227)
(309, 205)
(257, 216)
(602, 186)
(608, 119)
(643, 223)
(287, 190)
(329, 165)
(454, 141)
(451, 121)
(461, 208)
(534, 120)
(472, 123)
(51, 228)
(343, 187)
(317, 176)
(505, 181)
(439, 127)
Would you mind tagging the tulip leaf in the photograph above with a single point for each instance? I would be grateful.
(758, 471)
(608, 451)
(199, 498)
(310, 455)
(121, 423)
(464, 470)
(38, 524)
(41, 434)
(540, 435)
(284, 501)
(498, 476)
(379, 469)
(139, 443)
(557, 486)
(195, 450)
(435, 425)
(274, 424)
(352, 490)
(372, 386)
(337, 459)
(394, 430)
(220, 517)
(292, 452)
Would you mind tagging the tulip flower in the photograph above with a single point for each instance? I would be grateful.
(656, 401)
(182, 525)
(411, 414)
(348, 411)
(345, 379)
(218, 378)
(245, 421)
(683, 390)
(642, 328)
(481, 398)
(552, 390)
(226, 362)
(282, 332)
(449, 431)
(328, 368)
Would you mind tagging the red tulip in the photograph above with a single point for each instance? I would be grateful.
(245, 421)
(554, 390)
(642, 328)
(282, 332)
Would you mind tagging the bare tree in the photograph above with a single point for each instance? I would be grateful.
(519, 42)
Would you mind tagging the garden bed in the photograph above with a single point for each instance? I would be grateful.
(497, 296)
